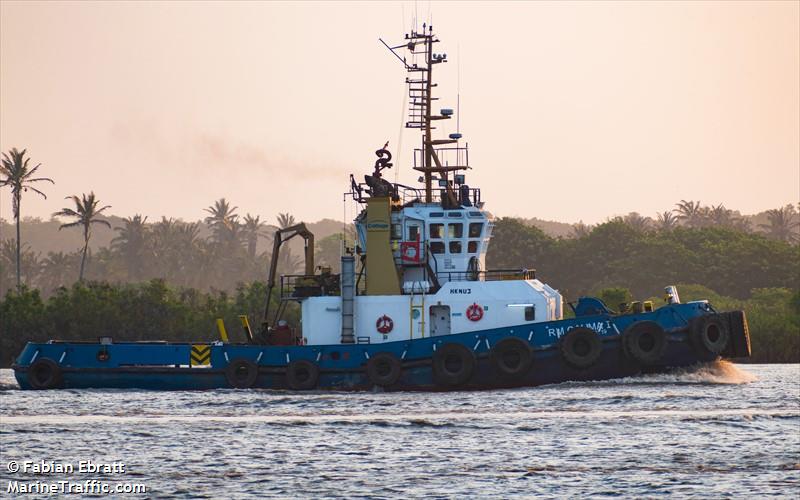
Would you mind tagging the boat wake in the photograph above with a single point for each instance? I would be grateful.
(715, 372)
(711, 373)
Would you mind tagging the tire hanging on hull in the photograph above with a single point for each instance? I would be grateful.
(644, 342)
(739, 345)
(709, 334)
(302, 375)
(384, 369)
(241, 373)
(453, 364)
(45, 373)
(581, 347)
(512, 357)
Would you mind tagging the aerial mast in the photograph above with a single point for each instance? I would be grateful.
(420, 93)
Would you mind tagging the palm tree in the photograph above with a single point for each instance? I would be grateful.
(637, 222)
(222, 219)
(782, 224)
(85, 214)
(690, 212)
(253, 228)
(31, 266)
(667, 221)
(721, 216)
(14, 172)
(55, 269)
(285, 220)
(8, 256)
(132, 244)
(165, 248)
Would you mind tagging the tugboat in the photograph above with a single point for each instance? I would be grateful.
(414, 307)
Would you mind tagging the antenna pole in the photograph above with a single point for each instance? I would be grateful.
(427, 138)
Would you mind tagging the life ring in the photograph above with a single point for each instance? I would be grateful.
(512, 357)
(302, 375)
(474, 312)
(453, 364)
(645, 342)
(709, 334)
(384, 369)
(581, 347)
(44, 373)
(103, 355)
(241, 373)
(384, 324)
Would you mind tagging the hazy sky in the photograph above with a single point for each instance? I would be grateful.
(571, 110)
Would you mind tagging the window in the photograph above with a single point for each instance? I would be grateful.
(413, 233)
(475, 229)
(437, 214)
(475, 215)
(530, 313)
(455, 230)
(397, 232)
(455, 247)
(437, 230)
(437, 247)
(454, 215)
(472, 247)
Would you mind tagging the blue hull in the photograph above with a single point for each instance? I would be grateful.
(167, 366)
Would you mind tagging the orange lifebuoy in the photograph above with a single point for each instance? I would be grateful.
(474, 312)
(384, 324)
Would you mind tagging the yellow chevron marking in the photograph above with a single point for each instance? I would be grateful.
(201, 355)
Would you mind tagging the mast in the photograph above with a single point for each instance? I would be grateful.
(427, 138)
(420, 92)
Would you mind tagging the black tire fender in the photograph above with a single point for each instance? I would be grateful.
(581, 347)
(645, 342)
(512, 357)
(241, 373)
(44, 373)
(710, 334)
(384, 369)
(302, 375)
(739, 345)
(453, 364)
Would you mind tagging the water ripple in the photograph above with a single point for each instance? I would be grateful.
(717, 430)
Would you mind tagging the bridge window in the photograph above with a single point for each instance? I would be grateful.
(455, 247)
(397, 232)
(437, 230)
(472, 247)
(530, 313)
(437, 247)
(475, 229)
(455, 230)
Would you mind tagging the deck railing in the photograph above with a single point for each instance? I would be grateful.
(300, 286)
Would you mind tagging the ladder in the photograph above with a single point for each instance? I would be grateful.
(416, 304)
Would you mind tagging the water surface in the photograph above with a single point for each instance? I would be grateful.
(714, 431)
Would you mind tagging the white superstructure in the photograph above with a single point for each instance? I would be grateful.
(418, 266)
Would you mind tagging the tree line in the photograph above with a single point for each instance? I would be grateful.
(617, 253)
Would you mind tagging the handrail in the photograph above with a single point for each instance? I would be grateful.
(407, 194)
